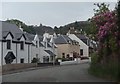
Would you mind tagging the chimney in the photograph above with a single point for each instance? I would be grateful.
(20, 28)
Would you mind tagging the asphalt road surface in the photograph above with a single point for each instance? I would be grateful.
(66, 73)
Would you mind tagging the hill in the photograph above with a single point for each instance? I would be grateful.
(83, 27)
(31, 28)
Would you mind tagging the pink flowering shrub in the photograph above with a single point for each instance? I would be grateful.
(106, 24)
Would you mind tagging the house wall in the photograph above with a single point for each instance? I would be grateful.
(43, 53)
(67, 49)
(35, 52)
(56, 52)
(22, 54)
(19, 54)
(5, 50)
(15, 48)
(81, 43)
(74, 48)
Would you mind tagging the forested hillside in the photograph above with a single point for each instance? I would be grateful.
(83, 27)
(32, 28)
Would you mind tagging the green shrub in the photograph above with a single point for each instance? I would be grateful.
(108, 71)
(94, 58)
(65, 59)
(35, 60)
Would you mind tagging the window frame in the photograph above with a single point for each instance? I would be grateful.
(9, 43)
(81, 52)
(22, 45)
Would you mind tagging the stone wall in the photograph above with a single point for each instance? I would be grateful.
(13, 67)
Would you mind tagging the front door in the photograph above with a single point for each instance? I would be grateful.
(22, 60)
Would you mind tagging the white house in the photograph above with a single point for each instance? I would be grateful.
(15, 46)
(50, 47)
(42, 47)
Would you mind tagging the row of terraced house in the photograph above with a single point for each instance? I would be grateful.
(17, 46)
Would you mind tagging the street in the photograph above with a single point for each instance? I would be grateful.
(66, 73)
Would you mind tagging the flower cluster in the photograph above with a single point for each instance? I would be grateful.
(106, 24)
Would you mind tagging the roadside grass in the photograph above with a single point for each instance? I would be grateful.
(109, 71)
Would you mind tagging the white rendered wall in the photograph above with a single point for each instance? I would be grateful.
(5, 50)
(22, 54)
(35, 51)
(43, 53)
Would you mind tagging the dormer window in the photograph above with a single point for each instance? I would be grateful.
(8, 44)
(22, 45)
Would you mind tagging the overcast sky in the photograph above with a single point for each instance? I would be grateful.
(49, 13)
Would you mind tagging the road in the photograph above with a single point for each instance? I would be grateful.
(66, 73)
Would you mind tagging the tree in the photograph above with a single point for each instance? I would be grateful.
(118, 23)
(56, 30)
(107, 25)
(102, 7)
(17, 22)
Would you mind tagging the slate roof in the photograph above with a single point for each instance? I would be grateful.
(48, 45)
(84, 38)
(30, 36)
(80, 36)
(62, 39)
(50, 52)
(10, 27)
(5, 33)
(16, 32)
(41, 45)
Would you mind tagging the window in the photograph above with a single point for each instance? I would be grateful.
(8, 44)
(81, 51)
(63, 55)
(21, 60)
(68, 55)
(22, 45)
